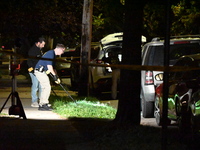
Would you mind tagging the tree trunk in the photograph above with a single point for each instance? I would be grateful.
(83, 89)
(129, 107)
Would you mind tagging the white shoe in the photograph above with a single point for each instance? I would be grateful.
(34, 104)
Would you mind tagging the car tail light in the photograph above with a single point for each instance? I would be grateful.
(181, 42)
(159, 89)
(148, 78)
(98, 61)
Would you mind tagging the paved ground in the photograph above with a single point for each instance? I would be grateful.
(24, 95)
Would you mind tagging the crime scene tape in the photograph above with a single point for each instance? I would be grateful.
(119, 66)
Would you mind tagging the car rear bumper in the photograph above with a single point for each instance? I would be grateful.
(148, 93)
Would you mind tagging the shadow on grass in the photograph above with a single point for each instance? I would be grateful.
(107, 135)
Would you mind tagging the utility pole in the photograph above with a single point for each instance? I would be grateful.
(85, 47)
(166, 76)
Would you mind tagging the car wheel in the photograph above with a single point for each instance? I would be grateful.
(157, 112)
(147, 109)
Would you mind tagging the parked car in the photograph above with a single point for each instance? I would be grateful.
(153, 55)
(183, 96)
(101, 77)
(63, 62)
(116, 39)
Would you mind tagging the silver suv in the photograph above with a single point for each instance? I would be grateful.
(153, 55)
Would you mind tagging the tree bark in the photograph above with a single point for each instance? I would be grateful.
(85, 47)
(129, 107)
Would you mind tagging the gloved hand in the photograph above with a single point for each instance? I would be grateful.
(30, 70)
(56, 79)
(48, 72)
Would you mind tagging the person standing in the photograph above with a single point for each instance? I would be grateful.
(113, 59)
(35, 51)
(44, 67)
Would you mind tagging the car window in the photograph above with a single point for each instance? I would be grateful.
(115, 51)
(193, 74)
(177, 75)
(71, 54)
(155, 55)
(178, 50)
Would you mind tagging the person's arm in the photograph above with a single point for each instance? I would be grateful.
(50, 69)
(53, 73)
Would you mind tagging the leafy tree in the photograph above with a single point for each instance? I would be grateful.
(108, 17)
(186, 18)
(58, 19)
(34, 18)
(62, 19)
(154, 20)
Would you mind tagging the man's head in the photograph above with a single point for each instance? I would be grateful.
(59, 50)
(40, 42)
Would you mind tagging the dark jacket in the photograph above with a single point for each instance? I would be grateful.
(34, 52)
